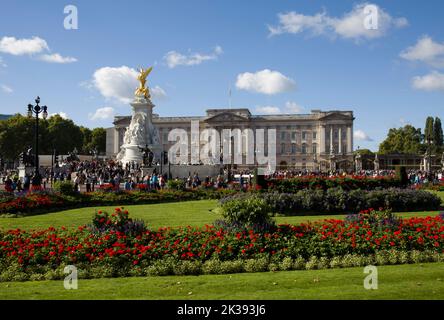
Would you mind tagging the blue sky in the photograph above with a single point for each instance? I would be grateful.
(312, 56)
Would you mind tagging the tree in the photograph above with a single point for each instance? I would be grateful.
(364, 152)
(98, 139)
(437, 133)
(17, 133)
(64, 135)
(86, 139)
(429, 130)
(405, 140)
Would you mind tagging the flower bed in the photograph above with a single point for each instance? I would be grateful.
(35, 203)
(324, 183)
(31, 202)
(368, 238)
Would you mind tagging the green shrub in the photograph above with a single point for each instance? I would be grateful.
(382, 258)
(247, 211)
(37, 277)
(312, 264)
(324, 263)
(347, 261)
(64, 187)
(235, 266)
(273, 267)
(212, 266)
(332, 201)
(336, 262)
(256, 265)
(176, 184)
(163, 267)
(286, 264)
(187, 268)
(299, 263)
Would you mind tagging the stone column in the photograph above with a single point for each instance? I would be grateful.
(340, 140)
(322, 140)
(331, 139)
(116, 140)
(349, 140)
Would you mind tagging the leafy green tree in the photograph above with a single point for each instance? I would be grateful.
(437, 133)
(429, 130)
(64, 135)
(86, 139)
(363, 152)
(407, 140)
(17, 133)
(98, 139)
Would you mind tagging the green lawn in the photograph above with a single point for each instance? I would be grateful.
(193, 213)
(418, 281)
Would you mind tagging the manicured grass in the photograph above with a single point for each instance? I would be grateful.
(193, 213)
(417, 281)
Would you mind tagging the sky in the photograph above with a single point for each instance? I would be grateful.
(272, 56)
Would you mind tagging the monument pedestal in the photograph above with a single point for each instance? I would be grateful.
(140, 133)
(23, 171)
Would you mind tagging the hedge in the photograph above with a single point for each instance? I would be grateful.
(347, 183)
(338, 201)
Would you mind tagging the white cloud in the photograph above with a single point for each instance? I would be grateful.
(116, 83)
(361, 135)
(61, 114)
(158, 93)
(293, 107)
(32, 46)
(6, 88)
(174, 58)
(425, 50)
(265, 81)
(104, 113)
(268, 110)
(20, 47)
(350, 26)
(56, 58)
(431, 82)
(119, 84)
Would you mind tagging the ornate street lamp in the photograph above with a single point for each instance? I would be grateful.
(37, 110)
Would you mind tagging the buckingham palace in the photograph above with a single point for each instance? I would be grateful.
(320, 140)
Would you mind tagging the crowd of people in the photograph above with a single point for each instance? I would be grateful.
(90, 175)
(416, 177)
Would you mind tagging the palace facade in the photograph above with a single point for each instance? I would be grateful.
(315, 141)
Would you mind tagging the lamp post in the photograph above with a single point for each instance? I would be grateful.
(427, 158)
(37, 109)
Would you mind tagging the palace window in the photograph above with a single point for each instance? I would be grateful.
(315, 135)
(304, 148)
(293, 148)
(283, 135)
(315, 148)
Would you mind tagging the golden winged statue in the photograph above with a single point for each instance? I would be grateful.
(143, 90)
